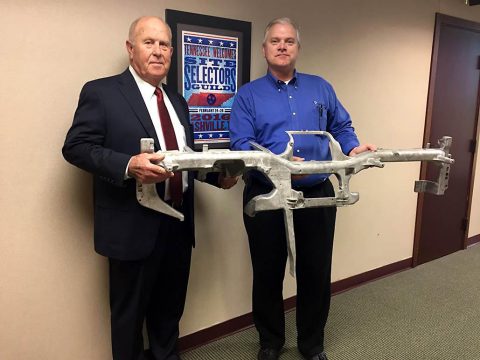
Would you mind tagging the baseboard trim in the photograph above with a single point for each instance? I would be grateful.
(375, 274)
(473, 240)
(215, 332)
(242, 322)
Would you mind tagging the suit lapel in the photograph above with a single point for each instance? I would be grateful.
(129, 89)
(132, 95)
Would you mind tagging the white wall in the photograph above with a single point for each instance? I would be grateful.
(474, 223)
(54, 288)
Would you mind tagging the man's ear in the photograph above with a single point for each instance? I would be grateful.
(129, 47)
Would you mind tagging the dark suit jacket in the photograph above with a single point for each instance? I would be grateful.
(109, 122)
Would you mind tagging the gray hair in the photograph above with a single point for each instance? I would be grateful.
(282, 21)
(133, 27)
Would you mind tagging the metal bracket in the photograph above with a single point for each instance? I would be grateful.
(278, 169)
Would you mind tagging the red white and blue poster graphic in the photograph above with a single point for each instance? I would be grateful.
(210, 79)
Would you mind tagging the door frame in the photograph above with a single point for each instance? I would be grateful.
(440, 20)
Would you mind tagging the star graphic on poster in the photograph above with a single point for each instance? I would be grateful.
(211, 99)
(210, 42)
(210, 135)
(189, 39)
(221, 43)
(200, 136)
(200, 41)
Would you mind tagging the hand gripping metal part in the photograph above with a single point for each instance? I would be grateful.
(278, 169)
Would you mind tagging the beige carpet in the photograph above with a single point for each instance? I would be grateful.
(431, 312)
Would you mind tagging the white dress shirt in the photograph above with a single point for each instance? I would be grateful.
(150, 99)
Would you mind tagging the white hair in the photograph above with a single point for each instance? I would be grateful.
(283, 21)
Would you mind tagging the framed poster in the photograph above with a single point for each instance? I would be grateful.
(211, 60)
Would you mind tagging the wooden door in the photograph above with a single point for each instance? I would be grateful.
(452, 109)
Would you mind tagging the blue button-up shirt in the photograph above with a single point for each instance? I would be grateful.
(266, 108)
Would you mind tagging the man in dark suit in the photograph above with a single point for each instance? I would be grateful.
(149, 252)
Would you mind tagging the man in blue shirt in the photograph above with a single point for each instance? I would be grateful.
(264, 109)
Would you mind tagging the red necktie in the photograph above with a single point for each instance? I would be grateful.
(176, 186)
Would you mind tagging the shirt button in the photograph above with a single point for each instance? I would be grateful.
(290, 96)
(294, 114)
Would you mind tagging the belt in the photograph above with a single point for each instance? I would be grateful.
(260, 179)
(309, 187)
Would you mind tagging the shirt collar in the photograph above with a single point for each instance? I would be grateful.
(279, 83)
(147, 90)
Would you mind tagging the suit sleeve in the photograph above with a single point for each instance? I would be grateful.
(85, 142)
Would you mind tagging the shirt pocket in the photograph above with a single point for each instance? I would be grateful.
(321, 115)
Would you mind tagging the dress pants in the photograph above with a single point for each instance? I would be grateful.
(151, 289)
(314, 232)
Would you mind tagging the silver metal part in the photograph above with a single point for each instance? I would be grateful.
(278, 169)
(147, 194)
(439, 187)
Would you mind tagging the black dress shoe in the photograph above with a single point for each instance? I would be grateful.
(321, 356)
(268, 354)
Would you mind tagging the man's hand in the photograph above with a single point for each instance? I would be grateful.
(227, 182)
(143, 168)
(361, 148)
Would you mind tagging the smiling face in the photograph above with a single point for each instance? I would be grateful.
(281, 50)
(149, 49)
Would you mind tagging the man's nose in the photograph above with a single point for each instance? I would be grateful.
(282, 45)
(156, 49)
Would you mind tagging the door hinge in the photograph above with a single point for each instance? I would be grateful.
(473, 146)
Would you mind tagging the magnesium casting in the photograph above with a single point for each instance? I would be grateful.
(278, 169)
